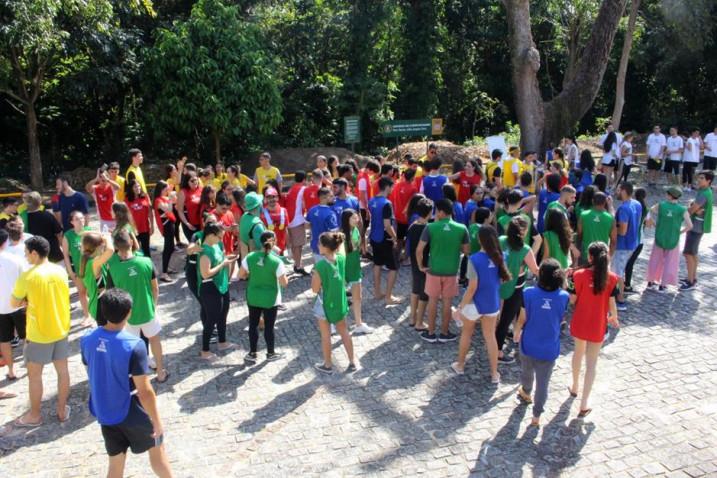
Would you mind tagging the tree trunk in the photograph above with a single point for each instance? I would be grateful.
(544, 122)
(217, 146)
(33, 143)
(622, 69)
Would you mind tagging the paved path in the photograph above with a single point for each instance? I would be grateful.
(404, 412)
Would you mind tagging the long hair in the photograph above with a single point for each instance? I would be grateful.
(122, 215)
(159, 189)
(187, 176)
(331, 240)
(488, 238)
(557, 222)
(514, 233)
(587, 163)
(600, 182)
(346, 228)
(641, 196)
(90, 242)
(598, 253)
(413, 203)
(205, 200)
(267, 241)
(586, 197)
(609, 141)
(130, 194)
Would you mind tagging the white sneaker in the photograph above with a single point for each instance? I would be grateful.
(333, 329)
(152, 363)
(363, 329)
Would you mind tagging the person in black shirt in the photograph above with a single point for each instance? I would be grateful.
(419, 299)
(44, 224)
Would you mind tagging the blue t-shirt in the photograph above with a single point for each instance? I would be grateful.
(340, 204)
(487, 296)
(487, 203)
(322, 218)
(380, 208)
(112, 357)
(458, 213)
(433, 187)
(468, 211)
(545, 197)
(630, 213)
(67, 204)
(543, 312)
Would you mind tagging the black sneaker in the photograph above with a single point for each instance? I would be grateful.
(688, 286)
(351, 368)
(250, 357)
(628, 289)
(324, 369)
(506, 359)
(301, 271)
(430, 338)
(274, 356)
(662, 288)
(449, 337)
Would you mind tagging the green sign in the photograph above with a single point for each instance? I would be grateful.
(352, 129)
(399, 128)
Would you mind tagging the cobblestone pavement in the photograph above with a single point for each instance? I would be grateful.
(404, 412)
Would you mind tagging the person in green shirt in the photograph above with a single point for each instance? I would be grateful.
(350, 221)
(564, 202)
(668, 218)
(331, 307)
(250, 226)
(96, 252)
(701, 215)
(447, 239)
(597, 225)
(266, 275)
(213, 284)
(136, 276)
(514, 207)
(557, 238)
(71, 252)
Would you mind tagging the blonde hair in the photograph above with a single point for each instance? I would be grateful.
(33, 200)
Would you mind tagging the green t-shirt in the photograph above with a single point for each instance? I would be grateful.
(556, 205)
(556, 252)
(263, 285)
(92, 285)
(669, 222)
(505, 220)
(135, 276)
(215, 254)
(446, 237)
(597, 226)
(353, 258)
(250, 230)
(473, 237)
(705, 197)
(333, 291)
(514, 265)
(74, 244)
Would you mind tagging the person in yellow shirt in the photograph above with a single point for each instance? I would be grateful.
(511, 167)
(115, 177)
(528, 166)
(265, 172)
(219, 172)
(425, 160)
(236, 178)
(136, 158)
(44, 290)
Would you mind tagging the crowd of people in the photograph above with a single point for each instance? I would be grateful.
(519, 237)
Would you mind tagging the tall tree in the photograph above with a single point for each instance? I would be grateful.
(624, 60)
(546, 121)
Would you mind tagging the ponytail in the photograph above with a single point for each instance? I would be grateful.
(599, 261)
(488, 238)
(514, 231)
(267, 242)
(331, 240)
(90, 242)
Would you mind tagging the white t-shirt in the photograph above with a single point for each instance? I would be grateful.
(626, 149)
(692, 150)
(674, 146)
(619, 140)
(655, 143)
(18, 249)
(711, 145)
(363, 185)
(614, 153)
(573, 155)
(10, 269)
(280, 271)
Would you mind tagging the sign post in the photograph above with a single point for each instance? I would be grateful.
(352, 130)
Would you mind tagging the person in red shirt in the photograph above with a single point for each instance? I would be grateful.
(467, 178)
(237, 198)
(387, 171)
(401, 195)
(594, 298)
(223, 213)
(276, 218)
(207, 202)
(296, 209)
(188, 201)
(140, 209)
(103, 189)
(364, 186)
(311, 195)
(166, 223)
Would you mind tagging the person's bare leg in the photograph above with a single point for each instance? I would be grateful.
(346, 339)
(432, 311)
(464, 344)
(578, 354)
(356, 303)
(420, 313)
(446, 313)
(691, 262)
(591, 358)
(160, 462)
(6, 351)
(413, 309)
(34, 377)
(116, 468)
(296, 253)
(488, 325)
(390, 282)
(63, 387)
(377, 293)
(325, 329)
(155, 344)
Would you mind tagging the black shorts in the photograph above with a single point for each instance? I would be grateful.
(709, 163)
(672, 167)
(692, 243)
(11, 322)
(135, 432)
(383, 254)
(401, 230)
(365, 218)
(418, 284)
(653, 164)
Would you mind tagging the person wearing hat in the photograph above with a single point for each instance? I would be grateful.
(276, 218)
(250, 227)
(670, 219)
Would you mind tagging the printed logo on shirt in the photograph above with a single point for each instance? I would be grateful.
(546, 304)
(597, 219)
(491, 265)
(132, 272)
(260, 263)
(446, 227)
(669, 213)
(102, 346)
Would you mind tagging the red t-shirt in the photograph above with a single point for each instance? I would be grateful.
(192, 198)
(311, 196)
(237, 211)
(363, 183)
(104, 197)
(464, 185)
(590, 316)
(229, 238)
(400, 197)
(140, 210)
(292, 199)
(278, 222)
(162, 216)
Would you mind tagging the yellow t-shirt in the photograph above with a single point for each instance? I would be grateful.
(175, 186)
(242, 182)
(263, 175)
(138, 176)
(529, 168)
(508, 177)
(120, 193)
(48, 302)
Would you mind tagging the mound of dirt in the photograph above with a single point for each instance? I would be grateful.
(447, 151)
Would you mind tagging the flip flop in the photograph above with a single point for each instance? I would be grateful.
(421, 329)
(166, 377)
(68, 413)
(11, 379)
(584, 413)
(21, 424)
(210, 358)
(524, 399)
(572, 394)
(454, 367)
(7, 395)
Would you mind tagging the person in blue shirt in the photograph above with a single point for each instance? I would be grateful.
(69, 200)
(538, 333)
(343, 199)
(384, 241)
(432, 185)
(449, 192)
(121, 396)
(546, 196)
(628, 218)
(322, 219)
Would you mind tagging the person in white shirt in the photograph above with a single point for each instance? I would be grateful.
(674, 148)
(691, 158)
(16, 242)
(627, 158)
(610, 156)
(572, 153)
(710, 142)
(11, 318)
(656, 145)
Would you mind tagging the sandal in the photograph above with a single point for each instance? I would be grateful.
(524, 397)
(7, 395)
(68, 412)
(572, 394)
(209, 358)
(584, 413)
(166, 376)
(22, 424)
(458, 371)
(420, 330)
